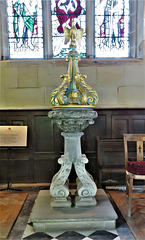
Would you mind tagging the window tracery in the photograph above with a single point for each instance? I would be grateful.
(124, 38)
(62, 13)
(25, 28)
(112, 28)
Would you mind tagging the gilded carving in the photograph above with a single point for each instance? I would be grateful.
(73, 90)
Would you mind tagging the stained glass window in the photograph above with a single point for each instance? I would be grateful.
(112, 28)
(25, 28)
(62, 13)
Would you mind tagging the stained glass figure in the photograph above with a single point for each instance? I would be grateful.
(111, 28)
(25, 28)
(62, 13)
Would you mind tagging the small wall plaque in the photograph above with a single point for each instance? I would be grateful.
(13, 136)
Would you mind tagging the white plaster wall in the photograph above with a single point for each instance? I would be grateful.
(28, 84)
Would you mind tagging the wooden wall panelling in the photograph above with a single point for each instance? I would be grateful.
(113, 177)
(18, 158)
(19, 166)
(3, 122)
(110, 162)
(4, 119)
(38, 161)
(90, 133)
(43, 169)
(137, 124)
(43, 147)
(58, 139)
(19, 171)
(91, 166)
(47, 147)
(3, 171)
(108, 115)
(18, 120)
(58, 146)
(127, 122)
(14, 117)
(3, 165)
(120, 125)
(30, 145)
(43, 134)
(89, 142)
(122, 121)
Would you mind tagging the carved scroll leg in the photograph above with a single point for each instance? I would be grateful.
(85, 185)
(59, 189)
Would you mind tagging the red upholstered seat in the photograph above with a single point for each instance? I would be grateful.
(136, 167)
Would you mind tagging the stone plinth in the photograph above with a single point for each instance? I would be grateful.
(47, 219)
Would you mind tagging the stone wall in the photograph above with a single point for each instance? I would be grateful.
(28, 84)
(119, 83)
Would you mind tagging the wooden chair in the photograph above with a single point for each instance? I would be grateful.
(134, 169)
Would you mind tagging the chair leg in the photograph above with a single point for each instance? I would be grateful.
(130, 196)
(127, 178)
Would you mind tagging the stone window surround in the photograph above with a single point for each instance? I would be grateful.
(137, 24)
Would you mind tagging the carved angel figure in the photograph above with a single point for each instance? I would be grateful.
(74, 34)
